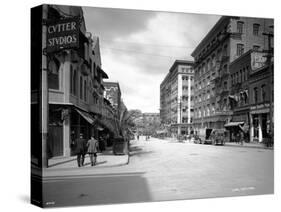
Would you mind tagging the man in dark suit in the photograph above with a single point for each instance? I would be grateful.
(81, 150)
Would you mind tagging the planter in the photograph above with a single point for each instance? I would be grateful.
(120, 146)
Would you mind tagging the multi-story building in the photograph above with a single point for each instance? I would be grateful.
(225, 42)
(239, 71)
(261, 93)
(151, 117)
(75, 86)
(176, 98)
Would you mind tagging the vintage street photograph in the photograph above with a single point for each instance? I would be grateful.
(133, 106)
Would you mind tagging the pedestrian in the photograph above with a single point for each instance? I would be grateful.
(138, 137)
(80, 144)
(242, 137)
(93, 146)
(101, 144)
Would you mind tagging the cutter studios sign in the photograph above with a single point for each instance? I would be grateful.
(63, 34)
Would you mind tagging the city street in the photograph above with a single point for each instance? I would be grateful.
(168, 170)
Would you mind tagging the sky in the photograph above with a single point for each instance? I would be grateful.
(139, 47)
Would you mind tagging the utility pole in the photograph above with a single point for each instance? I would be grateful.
(44, 99)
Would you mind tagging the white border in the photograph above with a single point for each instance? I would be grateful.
(15, 85)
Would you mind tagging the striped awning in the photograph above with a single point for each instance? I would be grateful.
(86, 116)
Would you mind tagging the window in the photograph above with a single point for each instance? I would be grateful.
(213, 60)
(85, 91)
(225, 85)
(95, 70)
(91, 67)
(240, 26)
(256, 28)
(255, 95)
(81, 88)
(263, 92)
(240, 49)
(208, 64)
(53, 74)
(224, 104)
(225, 50)
(73, 81)
(225, 69)
(256, 48)
(246, 73)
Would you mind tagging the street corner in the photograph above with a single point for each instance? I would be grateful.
(69, 164)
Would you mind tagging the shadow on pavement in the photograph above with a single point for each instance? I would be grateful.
(62, 162)
(136, 151)
(97, 163)
(97, 189)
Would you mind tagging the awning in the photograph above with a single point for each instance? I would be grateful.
(233, 124)
(86, 116)
(103, 74)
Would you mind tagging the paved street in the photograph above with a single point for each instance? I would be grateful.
(165, 170)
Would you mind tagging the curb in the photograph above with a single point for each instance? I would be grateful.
(253, 147)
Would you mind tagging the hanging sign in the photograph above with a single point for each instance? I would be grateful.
(63, 34)
(258, 60)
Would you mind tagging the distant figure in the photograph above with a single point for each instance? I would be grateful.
(138, 137)
(80, 144)
(101, 144)
(242, 137)
(92, 150)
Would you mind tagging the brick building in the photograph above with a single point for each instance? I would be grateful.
(230, 38)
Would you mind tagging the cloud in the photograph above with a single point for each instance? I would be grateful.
(139, 47)
(110, 24)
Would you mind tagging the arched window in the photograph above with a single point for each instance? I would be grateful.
(75, 79)
(81, 87)
(71, 79)
(53, 74)
(213, 60)
(94, 70)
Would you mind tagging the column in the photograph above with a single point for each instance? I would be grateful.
(66, 136)
(251, 128)
(66, 93)
(260, 128)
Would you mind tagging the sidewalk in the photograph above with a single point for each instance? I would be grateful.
(67, 166)
(248, 145)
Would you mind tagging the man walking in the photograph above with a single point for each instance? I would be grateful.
(80, 150)
(92, 150)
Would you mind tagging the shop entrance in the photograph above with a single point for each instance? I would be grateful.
(55, 136)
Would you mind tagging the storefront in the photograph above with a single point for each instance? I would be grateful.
(260, 122)
(65, 124)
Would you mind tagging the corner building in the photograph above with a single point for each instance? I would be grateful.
(176, 98)
(230, 38)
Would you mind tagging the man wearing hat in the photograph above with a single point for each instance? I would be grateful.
(93, 146)
(80, 150)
